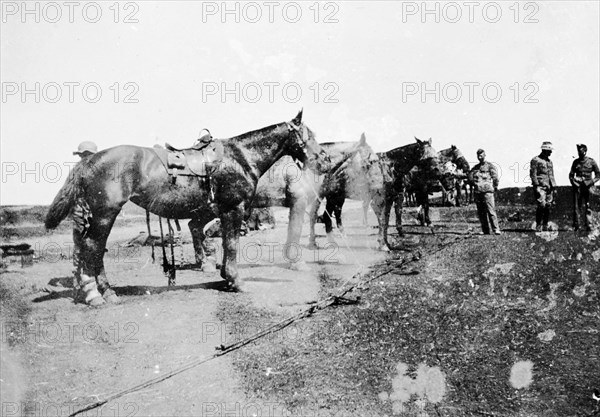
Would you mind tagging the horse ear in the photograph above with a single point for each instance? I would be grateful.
(419, 141)
(363, 139)
(298, 119)
(453, 147)
(429, 141)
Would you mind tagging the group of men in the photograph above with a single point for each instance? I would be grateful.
(583, 175)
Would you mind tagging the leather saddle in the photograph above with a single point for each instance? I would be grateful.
(201, 160)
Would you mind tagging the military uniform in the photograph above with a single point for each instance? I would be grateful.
(581, 180)
(542, 178)
(484, 178)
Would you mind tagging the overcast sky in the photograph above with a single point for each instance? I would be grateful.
(353, 66)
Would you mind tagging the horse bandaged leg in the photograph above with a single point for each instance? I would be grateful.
(90, 290)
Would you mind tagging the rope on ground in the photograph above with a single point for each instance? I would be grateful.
(333, 299)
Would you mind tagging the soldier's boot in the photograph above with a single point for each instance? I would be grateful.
(539, 214)
(545, 218)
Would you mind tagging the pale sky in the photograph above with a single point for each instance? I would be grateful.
(365, 63)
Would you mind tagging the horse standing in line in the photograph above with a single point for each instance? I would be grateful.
(132, 173)
(349, 181)
(421, 186)
(383, 184)
(287, 185)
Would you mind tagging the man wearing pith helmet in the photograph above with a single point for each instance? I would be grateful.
(541, 172)
(583, 175)
(82, 217)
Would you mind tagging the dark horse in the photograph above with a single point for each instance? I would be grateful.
(454, 165)
(383, 185)
(136, 173)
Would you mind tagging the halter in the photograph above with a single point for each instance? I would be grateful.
(301, 133)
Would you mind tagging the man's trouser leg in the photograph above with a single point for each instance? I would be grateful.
(546, 213)
(482, 213)
(576, 207)
(585, 206)
(491, 210)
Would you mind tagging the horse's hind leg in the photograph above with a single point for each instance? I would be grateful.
(92, 279)
(231, 222)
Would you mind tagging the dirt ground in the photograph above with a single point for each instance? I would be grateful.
(455, 324)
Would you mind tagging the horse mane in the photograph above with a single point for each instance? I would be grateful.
(259, 132)
(256, 132)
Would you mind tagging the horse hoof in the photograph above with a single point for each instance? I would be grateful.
(233, 287)
(209, 267)
(110, 297)
(299, 266)
(312, 246)
(96, 302)
(384, 248)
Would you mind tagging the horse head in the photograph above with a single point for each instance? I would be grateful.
(457, 157)
(305, 148)
(428, 159)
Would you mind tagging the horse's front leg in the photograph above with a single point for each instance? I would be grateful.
(292, 251)
(382, 210)
(231, 223)
(399, 201)
(337, 210)
(328, 218)
(365, 206)
(314, 210)
(204, 249)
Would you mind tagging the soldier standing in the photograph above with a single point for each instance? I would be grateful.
(484, 178)
(542, 178)
(581, 179)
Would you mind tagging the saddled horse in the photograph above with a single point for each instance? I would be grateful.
(288, 185)
(132, 173)
(421, 185)
(384, 183)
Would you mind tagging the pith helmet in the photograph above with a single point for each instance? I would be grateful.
(581, 146)
(204, 136)
(547, 146)
(86, 146)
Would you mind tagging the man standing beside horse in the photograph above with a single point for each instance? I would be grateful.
(484, 178)
(581, 179)
(81, 215)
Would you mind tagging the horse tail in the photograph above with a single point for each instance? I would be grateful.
(65, 199)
